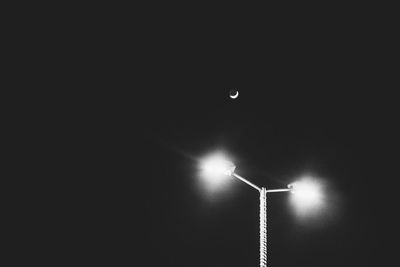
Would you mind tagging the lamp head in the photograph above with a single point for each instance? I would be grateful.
(217, 165)
(215, 172)
(307, 194)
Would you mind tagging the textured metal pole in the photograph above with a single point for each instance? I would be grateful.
(263, 227)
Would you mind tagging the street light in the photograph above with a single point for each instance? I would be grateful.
(305, 192)
(307, 196)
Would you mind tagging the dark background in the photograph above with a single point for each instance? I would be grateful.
(106, 122)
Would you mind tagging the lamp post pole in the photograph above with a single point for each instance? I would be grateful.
(263, 216)
(263, 227)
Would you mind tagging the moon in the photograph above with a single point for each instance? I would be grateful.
(233, 94)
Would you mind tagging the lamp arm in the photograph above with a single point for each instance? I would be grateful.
(278, 190)
(246, 181)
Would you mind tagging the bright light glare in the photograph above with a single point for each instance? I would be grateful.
(216, 171)
(307, 195)
(215, 175)
(217, 165)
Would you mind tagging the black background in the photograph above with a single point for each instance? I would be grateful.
(107, 119)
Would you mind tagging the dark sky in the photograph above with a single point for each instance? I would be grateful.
(104, 148)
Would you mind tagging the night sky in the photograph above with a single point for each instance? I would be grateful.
(105, 150)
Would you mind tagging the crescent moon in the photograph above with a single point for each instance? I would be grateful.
(235, 95)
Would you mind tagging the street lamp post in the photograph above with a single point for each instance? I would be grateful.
(306, 192)
(263, 215)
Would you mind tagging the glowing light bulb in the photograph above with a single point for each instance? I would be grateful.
(217, 165)
(307, 195)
